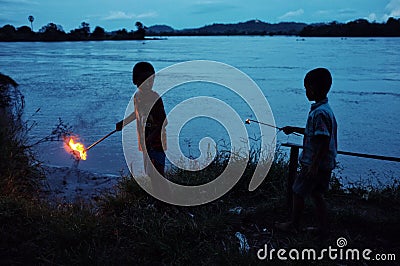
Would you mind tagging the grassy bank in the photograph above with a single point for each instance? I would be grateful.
(130, 227)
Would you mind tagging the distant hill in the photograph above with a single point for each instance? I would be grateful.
(356, 28)
(251, 27)
(157, 29)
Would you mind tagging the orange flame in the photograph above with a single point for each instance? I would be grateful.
(76, 148)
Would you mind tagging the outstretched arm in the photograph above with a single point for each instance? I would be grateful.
(126, 121)
(289, 130)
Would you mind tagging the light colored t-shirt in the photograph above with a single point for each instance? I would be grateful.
(321, 121)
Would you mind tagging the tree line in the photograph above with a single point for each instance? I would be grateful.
(356, 28)
(54, 32)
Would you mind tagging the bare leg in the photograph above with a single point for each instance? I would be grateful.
(155, 170)
(297, 212)
(159, 167)
(320, 212)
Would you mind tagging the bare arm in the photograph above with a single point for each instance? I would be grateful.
(126, 121)
(129, 119)
(289, 130)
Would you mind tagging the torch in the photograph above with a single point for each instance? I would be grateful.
(78, 149)
(248, 120)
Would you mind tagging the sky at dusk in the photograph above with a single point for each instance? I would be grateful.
(179, 14)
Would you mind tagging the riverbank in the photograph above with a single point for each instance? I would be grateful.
(129, 226)
(70, 184)
(124, 225)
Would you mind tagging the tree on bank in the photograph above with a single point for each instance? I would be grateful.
(99, 33)
(25, 33)
(81, 33)
(356, 28)
(31, 19)
(52, 32)
(8, 33)
(140, 30)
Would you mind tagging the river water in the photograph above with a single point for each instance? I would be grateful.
(88, 85)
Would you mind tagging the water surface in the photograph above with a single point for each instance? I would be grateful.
(88, 85)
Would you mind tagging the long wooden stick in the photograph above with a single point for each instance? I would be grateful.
(100, 140)
(248, 120)
(355, 154)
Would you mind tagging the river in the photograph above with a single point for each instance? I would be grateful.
(88, 85)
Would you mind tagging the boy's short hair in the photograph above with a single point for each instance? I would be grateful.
(141, 71)
(320, 80)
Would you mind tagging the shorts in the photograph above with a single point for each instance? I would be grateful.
(304, 184)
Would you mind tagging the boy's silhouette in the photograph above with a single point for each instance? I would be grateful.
(319, 152)
(150, 119)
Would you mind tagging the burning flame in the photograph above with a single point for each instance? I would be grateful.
(76, 148)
